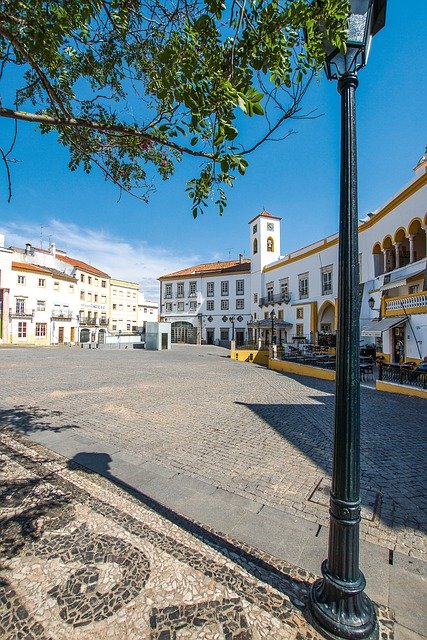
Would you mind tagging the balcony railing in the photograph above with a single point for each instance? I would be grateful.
(61, 315)
(21, 313)
(412, 303)
(276, 298)
(103, 322)
(91, 322)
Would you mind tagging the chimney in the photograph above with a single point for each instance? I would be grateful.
(52, 249)
(28, 248)
(240, 257)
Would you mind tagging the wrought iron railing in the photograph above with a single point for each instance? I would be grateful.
(311, 360)
(276, 298)
(402, 375)
(61, 315)
(21, 313)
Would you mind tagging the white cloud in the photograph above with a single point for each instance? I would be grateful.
(133, 261)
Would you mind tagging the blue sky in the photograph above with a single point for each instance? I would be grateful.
(297, 179)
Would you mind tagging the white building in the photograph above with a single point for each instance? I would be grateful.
(208, 303)
(123, 307)
(147, 311)
(302, 287)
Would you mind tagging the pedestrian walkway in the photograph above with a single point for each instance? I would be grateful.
(82, 558)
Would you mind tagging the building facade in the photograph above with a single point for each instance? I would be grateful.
(301, 288)
(208, 303)
(50, 298)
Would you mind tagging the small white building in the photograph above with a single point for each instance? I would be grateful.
(208, 303)
(123, 307)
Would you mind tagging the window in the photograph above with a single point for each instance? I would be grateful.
(300, 330)
(210, 289)
(325, 327)
(240, 287)
(133, 308)
(168, 306)
(180, 290)
(103, 283)
(82, 277)
(210, 305)
(104, 299)
(300, 313)
(114, 292)
(255, 298)
(89, 296)
(180, 306)
(280, 314)
(96, 282)
(168, 291)
(42, 282)
(95, 297)
(265, 315)
(20, 305)
(224, 305)
(255, 228)
(254, 316)
(284, 289)
(41, 328)
(128, 326)
(89, 279)
(193, 305)
(270, 244)
(82, 295)
(224, 288)
(255, 246)
(114, 327)
(22, 329)
(414, 288)
(303, 285)
(41, 305)
(56, 286)
(270, 291)
(240, 303)
(326, 280)
(21, 279)
(71, 287)
(114, 306)
(192, 289)
(224, 334)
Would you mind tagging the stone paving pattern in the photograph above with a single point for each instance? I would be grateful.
(250, 431)
(82, 559)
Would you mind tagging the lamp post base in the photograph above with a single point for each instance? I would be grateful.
(340, 610)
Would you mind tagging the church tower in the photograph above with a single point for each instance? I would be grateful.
(264, 231)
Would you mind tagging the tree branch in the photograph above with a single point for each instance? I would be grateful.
(108, 129)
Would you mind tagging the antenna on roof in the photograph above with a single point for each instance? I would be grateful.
(230, 249)
(41, 236)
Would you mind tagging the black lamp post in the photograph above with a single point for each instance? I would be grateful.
(338, 606)
(272, 316)
(232, 319)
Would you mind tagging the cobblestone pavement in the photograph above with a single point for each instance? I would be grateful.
(81, 559)
(254, 432)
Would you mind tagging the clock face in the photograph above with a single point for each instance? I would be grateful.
(270, 226)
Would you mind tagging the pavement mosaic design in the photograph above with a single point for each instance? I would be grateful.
(83, 559)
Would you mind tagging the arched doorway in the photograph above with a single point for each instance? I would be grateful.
(326, 325)
(84, 335)
(183, 332)
(378, 260)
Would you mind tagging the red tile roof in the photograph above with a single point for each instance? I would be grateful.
(83, 266)
(229, 266)
(264, 214)
(25, 266)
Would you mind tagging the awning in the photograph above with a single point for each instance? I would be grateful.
(376, 327)
(393, 285)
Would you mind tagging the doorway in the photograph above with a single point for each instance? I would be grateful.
(164, 340)
(240, 337)
(61, 335)
(210, 336)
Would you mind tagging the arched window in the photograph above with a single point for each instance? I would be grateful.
(255, 245)
(270, 244)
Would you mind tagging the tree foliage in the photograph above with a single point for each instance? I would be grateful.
(130, 84)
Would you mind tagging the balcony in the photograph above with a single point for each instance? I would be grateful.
(410, 304)
(103, 322)
(21, 313)
(89, 322)
(61, 315)
(277, 298)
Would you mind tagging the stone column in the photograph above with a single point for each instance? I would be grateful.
(397, 246)
(411, 249)
(385, 256)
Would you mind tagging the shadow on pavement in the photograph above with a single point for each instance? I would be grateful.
(244, 557)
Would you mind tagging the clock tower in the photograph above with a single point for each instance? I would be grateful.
(264, 240)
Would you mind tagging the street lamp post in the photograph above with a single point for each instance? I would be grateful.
(338, 606)
(232, 320)
(272, 316)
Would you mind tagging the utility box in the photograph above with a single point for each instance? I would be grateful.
(158, 336)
